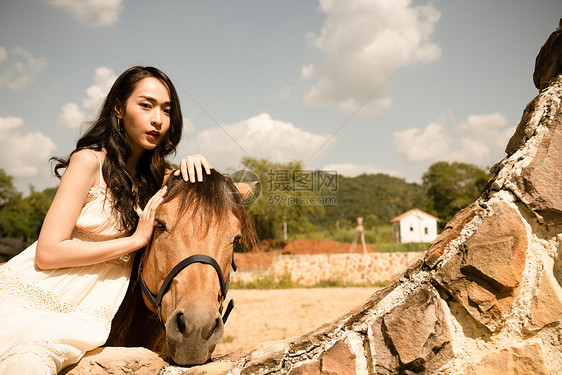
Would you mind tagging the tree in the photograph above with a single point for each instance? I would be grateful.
(22, 217)
(376, 197)
(7, 189)
(453, 186)
(281, 200)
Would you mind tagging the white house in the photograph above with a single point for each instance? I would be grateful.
(414, 226)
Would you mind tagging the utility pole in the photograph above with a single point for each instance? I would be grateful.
(359, 232)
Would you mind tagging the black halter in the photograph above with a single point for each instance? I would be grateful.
(156, 300)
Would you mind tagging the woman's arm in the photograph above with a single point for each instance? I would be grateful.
(55, 249)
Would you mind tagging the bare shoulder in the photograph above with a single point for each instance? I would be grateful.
(84, 166)
(80, 175)
(87, 158)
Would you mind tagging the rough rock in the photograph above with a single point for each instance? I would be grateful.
(451, 232)
(139, 361)
(483, 275)
(548, 63)
(537, 114)
(546, 305)
(417, 333)
(539, 182)
(385, 360)
(266, 356)
(338, 359)
(517, 360)
(308, 368)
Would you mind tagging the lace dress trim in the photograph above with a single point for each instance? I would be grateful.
(79, 234)
(34, 297)
(96, 189)
(45, 350)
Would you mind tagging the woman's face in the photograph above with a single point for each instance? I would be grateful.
(146, 115)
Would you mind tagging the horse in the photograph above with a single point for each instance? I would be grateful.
(174, 301)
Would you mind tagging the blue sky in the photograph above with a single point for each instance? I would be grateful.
(356, 86)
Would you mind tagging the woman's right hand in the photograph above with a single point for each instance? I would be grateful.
(145, 227)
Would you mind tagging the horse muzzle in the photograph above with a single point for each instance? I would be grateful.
(192, 333)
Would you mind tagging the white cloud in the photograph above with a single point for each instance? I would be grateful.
(19, 67)
(352, 170)
(492, 129)
(8, 124)
(3, 54)
(72, 115)
(480, 139)
(363, 44)
(188, 126)
(23, 154)
(260, 137)
(103, 79)
(428, 144)
(92, 12)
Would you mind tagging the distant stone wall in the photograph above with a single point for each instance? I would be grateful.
(351, 268)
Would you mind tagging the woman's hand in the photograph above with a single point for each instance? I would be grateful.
(143, 233)
(191, 168)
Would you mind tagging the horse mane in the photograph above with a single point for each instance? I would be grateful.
(212, 199)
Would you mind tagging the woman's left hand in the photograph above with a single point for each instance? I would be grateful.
(191, 168)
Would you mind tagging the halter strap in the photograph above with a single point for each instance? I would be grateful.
(156, 300)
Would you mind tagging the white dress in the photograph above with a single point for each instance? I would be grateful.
(50, 318)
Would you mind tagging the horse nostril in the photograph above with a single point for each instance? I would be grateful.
(211, 330)
(180, 321)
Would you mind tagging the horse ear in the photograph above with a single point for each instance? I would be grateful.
(167, 174)
(246, 189)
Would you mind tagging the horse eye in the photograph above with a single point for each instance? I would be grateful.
(236, 245)
(160, 225)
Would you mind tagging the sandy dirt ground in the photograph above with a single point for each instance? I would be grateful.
(265, 315)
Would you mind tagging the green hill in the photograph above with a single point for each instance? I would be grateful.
(376, 197)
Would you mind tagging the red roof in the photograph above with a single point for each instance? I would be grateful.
(410, 212)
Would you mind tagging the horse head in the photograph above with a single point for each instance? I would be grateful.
(187, 265)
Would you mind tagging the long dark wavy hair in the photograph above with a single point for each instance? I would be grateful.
(107, 132)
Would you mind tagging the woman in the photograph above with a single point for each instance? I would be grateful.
(58, 297)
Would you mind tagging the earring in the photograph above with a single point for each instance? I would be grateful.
(120, 126)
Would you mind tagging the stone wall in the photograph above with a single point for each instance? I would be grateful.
(351, 268)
